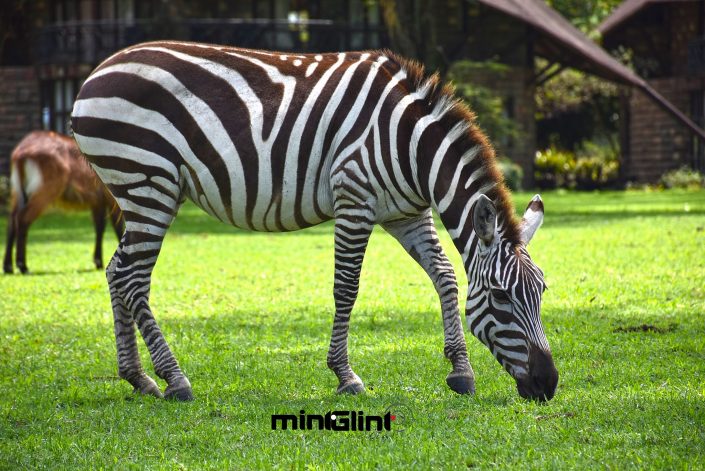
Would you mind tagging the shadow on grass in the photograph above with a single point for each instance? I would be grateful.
(37, 273)
(578, 210)
(567, 218)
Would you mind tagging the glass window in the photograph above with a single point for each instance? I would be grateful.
(57, 102)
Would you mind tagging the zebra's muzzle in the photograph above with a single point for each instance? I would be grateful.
(540, 384)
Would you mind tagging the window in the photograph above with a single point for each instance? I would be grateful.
(58, 96)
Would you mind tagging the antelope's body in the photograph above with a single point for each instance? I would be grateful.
(47, 168)
(278, 142)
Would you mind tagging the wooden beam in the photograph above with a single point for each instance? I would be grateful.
(672, 110)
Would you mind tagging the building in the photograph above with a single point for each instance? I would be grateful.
(56, 43)
(665, 42)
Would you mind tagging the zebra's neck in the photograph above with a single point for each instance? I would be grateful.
(455, 165)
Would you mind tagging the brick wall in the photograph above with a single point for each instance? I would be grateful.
(19, 109)
(657, 143)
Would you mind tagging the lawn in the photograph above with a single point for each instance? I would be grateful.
(249, 318)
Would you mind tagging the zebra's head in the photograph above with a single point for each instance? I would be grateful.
(504, 300)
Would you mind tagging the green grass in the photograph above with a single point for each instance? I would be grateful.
(249, 318)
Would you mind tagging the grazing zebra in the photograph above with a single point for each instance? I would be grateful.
(279, 142)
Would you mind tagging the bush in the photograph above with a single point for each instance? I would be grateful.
(684, 177)
(554, 168)
(594, 172)
(513, 174)
(594, 167)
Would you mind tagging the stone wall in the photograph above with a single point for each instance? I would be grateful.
(19, 109)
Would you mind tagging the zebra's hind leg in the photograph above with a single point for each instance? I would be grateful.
(129, 277)
(352, 231)
(129, 364)
(419, 237)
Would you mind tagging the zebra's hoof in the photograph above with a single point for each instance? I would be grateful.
(353, 387)
(7, 269)
(183, 394)
(147, 386)
(462, 383)
(179, 391)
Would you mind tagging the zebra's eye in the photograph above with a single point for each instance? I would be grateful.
(500, 296)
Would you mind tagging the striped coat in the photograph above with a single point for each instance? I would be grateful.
(278, 142)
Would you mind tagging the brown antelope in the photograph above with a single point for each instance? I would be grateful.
(47, 168)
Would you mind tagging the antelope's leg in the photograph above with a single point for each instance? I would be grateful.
(116, 219)
(10, 242)
(25, 217)
(98, 213)
(351, 235)
(419, 237)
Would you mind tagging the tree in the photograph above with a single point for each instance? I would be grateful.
(586, 15)
(574, 107)
(412, 29)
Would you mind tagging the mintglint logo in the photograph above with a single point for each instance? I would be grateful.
(338, 421)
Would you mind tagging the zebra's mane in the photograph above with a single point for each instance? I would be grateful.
(452, 110)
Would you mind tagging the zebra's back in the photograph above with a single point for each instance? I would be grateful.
(250, 136)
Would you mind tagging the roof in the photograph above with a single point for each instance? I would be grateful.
(626, 10)
(559, 41)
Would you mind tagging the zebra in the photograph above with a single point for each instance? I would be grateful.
(274, 142)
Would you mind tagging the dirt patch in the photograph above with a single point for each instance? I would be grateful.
(647, 328)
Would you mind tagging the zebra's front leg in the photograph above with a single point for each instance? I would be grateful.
(351, 235)
(420, 239)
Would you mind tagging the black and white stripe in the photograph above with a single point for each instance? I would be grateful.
(278, 142)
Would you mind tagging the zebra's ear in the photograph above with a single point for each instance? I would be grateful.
(533, 217)
(484, 219)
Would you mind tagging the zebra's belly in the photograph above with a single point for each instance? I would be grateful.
(268, 210)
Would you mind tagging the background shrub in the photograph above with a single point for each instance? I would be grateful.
(683, 177)
(554, 168)
(513, 174)
(592, 167)
(593, 172)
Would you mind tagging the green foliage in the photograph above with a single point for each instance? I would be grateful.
(593, 172)
(554, 168)
(591, 168)
(488, 107)
(513, 174)
(596, 166)
(249, 317)
(683, 177)
(586, 15)
(570, 89)
(574, 107)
